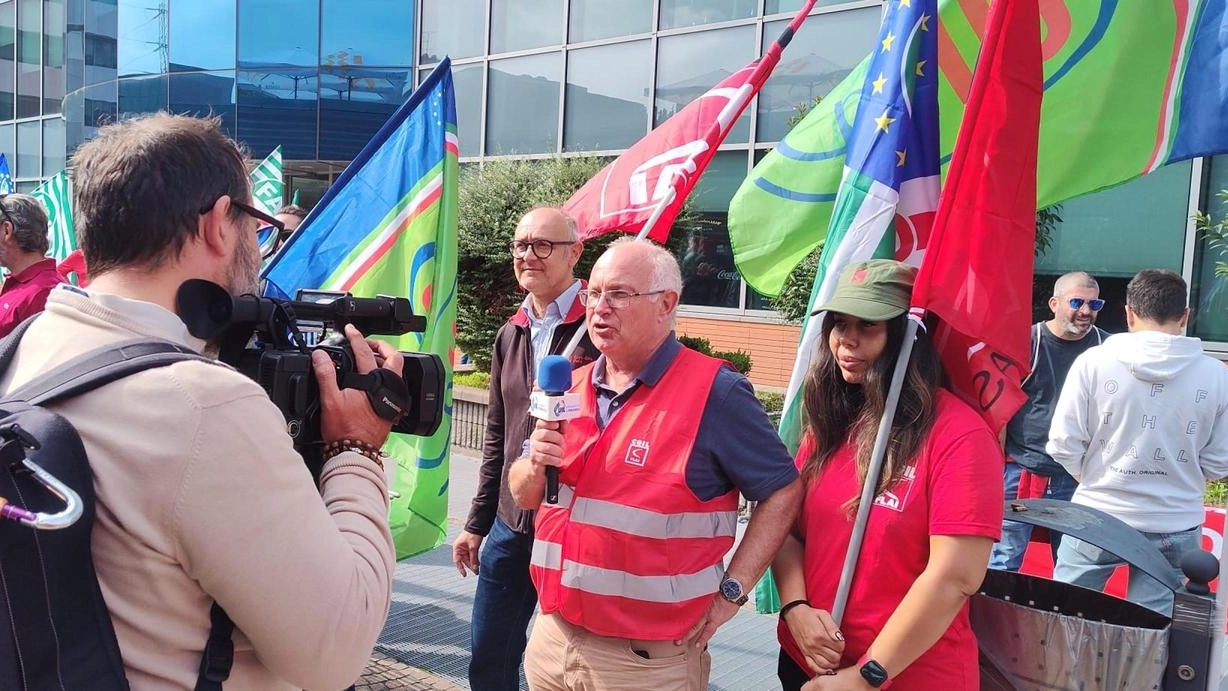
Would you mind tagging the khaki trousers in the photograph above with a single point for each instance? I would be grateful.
(565, 657)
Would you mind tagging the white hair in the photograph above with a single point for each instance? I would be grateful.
(666, 275)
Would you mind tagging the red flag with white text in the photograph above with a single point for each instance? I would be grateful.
(977, 272)
(662, 168)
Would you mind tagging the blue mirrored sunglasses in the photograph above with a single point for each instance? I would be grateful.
(267, 237)
(1095, 304)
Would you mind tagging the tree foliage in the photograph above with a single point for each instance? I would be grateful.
(1215, 232)
(492, 199)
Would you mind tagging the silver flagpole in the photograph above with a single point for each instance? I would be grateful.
(869, 489)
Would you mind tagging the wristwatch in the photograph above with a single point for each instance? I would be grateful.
(873, 673)
(732, 590)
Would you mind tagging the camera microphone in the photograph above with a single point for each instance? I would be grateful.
(553, 403)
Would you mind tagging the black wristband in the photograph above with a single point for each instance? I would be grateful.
(785, 610)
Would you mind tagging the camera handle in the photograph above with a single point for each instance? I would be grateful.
(386, 391)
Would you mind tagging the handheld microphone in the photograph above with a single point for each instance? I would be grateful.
(554, 403)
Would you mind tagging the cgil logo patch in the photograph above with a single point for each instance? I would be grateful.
(637, 453)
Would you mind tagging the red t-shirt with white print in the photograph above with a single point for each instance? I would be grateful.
(954, 487)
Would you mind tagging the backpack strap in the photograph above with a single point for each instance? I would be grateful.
(219, 654)
(8, 345)
(99, 367)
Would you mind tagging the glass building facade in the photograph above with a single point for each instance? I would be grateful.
(534, 78)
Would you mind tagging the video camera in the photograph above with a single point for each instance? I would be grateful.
(271, 341)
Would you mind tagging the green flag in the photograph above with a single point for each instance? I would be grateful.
(387, 226)
(1129, 86)
(56, 197)
(267, 185)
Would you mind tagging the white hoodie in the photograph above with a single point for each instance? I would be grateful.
(1141, 423)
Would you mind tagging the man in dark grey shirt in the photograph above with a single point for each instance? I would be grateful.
(1055, 345)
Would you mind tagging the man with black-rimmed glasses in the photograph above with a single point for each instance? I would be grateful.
(544, 250)
(23, 249)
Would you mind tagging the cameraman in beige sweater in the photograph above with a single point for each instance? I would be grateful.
(201, 496)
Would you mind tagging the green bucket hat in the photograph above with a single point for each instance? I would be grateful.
(874, 290)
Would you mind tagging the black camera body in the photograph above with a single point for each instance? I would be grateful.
(271, 341)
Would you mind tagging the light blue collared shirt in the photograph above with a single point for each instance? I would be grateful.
(541, 331)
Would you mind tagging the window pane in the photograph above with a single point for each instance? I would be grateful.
(205, 93)
(354, 103)
(792, 6)
(190, 24)
(8, 59)
(522, 110)
(8, 142)
(53, 56)
(817, 59)
(279, 108)
(53, 146)
(367, 32)
(276, 33)
(142, 37)
(606, 108)
(29, 157)
(142, 95)
(756, 300)
(709, 277)
(29, 58)
(525, 24)
(467, 83)
(1146, 219)
(679, 13)
(690, 65)
(594, 19)
(1209, 287)
(88, 109)
(455, 28)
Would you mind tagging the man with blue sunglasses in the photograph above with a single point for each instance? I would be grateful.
(1029, 471)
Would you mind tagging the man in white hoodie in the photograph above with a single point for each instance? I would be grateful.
(1142, 423)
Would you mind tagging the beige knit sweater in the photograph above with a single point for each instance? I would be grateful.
(201, 497)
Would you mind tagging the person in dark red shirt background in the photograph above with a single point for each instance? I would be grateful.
(23, 249)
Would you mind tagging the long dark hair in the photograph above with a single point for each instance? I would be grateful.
(838, 412)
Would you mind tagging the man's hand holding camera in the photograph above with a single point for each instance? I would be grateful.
(347, 413)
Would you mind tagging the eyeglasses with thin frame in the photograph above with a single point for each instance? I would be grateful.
(616, 299)
(1095, 304)
(542, 249)
(266, 239)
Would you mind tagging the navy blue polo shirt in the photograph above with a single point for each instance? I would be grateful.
(736, 445)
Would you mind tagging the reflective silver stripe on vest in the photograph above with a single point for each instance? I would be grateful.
(599, 581)
(548, 555)
(645, 523)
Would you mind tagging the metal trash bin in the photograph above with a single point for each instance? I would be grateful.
(1035, 633)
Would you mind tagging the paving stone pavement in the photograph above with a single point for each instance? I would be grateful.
(385, 673)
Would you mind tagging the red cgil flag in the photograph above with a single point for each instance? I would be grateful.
(977, 272)
(656, 174)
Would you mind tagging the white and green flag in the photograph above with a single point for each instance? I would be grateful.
(56, 197)
(267, 185)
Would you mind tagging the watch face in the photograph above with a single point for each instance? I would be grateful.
(873, 673)
(731, 589)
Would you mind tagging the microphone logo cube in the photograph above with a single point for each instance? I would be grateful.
(637, 453)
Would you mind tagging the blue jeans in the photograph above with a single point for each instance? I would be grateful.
(1007, 554)
(1085, 564)
(502, 608)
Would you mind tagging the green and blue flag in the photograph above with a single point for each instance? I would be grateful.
(1129, 86)
(387, 226)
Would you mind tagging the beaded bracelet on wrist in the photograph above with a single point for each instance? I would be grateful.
(372, 452)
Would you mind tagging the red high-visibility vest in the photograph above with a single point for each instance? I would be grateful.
(629, 550)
